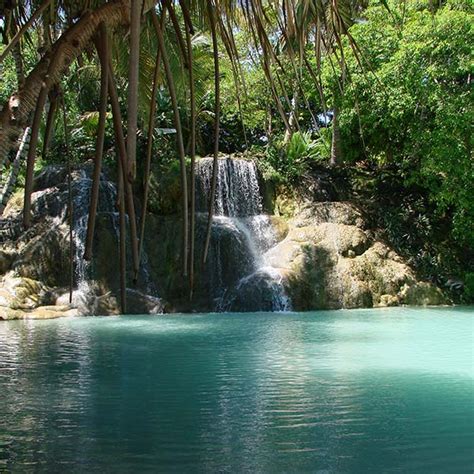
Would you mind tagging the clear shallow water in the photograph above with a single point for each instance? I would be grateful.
(348, 391)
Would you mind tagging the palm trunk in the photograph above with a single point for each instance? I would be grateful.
(293, 114)
(122, 240)
(192, 147)
(179, 136)
(103, 50)
(31, 158)
(177, 29)
(215, 163)
(122, 151)
(133, 75)
(336, 138)
(14, 170)
(48, 134)
(149, 148)
(14, 119)
(192, 99)
(20, 75)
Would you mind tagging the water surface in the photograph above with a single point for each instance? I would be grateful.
(337, 391)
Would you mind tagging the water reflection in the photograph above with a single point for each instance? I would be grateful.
(336, 391)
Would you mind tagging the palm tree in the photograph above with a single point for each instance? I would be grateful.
(78, 24)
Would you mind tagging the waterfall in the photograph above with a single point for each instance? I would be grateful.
(237, 191)
(240, 276)
(107, 206)
(52, 200)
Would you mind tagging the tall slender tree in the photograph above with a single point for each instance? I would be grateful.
(179, 136)
(102, 43)
(215, 163)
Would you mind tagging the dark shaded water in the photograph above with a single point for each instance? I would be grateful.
(347, 391)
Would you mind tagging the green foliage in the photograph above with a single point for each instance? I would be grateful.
(292, 159)
(412, 106)
(469, 287)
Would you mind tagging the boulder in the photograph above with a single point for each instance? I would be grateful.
(330, 261)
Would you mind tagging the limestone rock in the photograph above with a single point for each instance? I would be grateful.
(421, 293)
(330, 261)
(41, 312)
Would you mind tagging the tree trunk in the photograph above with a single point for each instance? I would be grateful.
(192, 149)
(293, 116)
(133, 77)
(215, 163)
(122, 239)
(149, 151)
(127, 186)
(20, 75)
(177, 29)
(31, 158)
(336, 138)
(192, 146)
(103, 51)
(179, 136)
(9, 185)
(48, 134)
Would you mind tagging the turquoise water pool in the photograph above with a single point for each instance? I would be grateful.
(387, 390)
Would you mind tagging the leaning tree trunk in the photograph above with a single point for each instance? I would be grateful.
(48, 134)
(149, 151)
(127, 179)
(192, 98)
(20, 73)
(149, 145)
(31, 158)
(293, 115)
(16, 112)
(122, 240)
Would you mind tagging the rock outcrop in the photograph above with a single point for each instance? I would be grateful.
(316, 254)
(34, 264)
(330, 260)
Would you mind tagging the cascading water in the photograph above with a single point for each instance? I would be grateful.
(242, 235)
(53, 201)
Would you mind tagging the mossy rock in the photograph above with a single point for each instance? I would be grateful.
(422, 294)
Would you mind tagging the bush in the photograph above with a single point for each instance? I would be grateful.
(291, 160)
(469, 287)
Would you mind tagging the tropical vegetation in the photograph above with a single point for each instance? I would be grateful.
(379, 92)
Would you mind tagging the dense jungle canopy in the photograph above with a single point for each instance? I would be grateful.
(377, 91)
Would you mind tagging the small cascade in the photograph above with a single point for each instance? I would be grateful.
(237, 191)
(81, 190)
(52, 200)
(238, 271)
